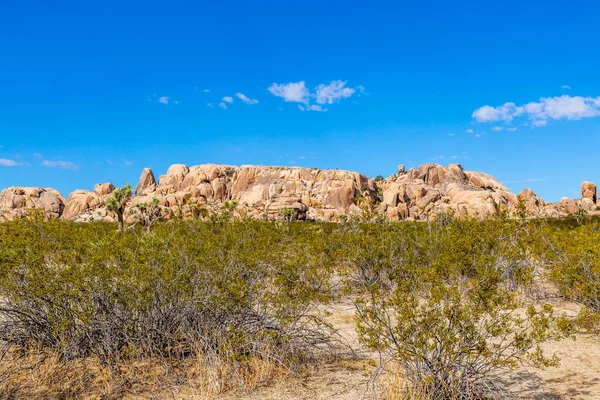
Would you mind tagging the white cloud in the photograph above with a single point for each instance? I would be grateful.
(497, 128)
(245, 98)
(311, 107)
(335, 91)
(505, 112)
(567, 87)
(470, 131)
(290, 92)
(9, 163)
(164, 100)
(570, 107)
(540, 112)
(533, 108)
(60, 164)
(38, 155)
(227, 99)
(211, 105)
(206, 91)
(297, 92)
(511, 129)
(223, 105)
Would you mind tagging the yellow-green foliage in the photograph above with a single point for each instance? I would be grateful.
(237, 290)
(443, 300)
(571, 251)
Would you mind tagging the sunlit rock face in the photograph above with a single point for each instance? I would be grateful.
(266, 192)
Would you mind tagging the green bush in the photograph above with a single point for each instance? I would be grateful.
(441, 300)
(232, 291)
(444, 300)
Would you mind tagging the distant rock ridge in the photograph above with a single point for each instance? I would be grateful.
(315, 194)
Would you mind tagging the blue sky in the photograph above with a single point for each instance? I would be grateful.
(94, 92)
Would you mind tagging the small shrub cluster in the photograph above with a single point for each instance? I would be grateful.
(442, 303)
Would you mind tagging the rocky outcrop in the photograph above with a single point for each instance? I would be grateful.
(84, 205)
(147, 183)
(18, 201)
(305, 193)
(432, 188)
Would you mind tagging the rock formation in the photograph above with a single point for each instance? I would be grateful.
(308, 193)
(16, 202)
(432, 188)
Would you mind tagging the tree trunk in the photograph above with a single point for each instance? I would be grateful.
(120, 219)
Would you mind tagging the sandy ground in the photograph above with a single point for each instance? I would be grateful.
(578, 376)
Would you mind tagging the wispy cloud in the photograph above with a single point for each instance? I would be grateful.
(567, 87)
(539, 113)
(361, 89)
(206, 91)
(68, 165)
(211, 105)
(311, 107)
(245, 98)
(227, 99)
(293, 92)
(10, 163)
(333, 92)
(505, 112)
(223, 105)
(166, 100)
(297, 92)
(38, 155)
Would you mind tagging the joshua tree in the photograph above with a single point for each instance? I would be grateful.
(147, 214)
(118, 201)
(287, 214)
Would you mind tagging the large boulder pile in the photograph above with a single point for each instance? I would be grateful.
(85, 205)
(432, 188)
(306, 193)
(18, 201)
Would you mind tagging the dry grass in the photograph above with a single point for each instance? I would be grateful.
(43, 375)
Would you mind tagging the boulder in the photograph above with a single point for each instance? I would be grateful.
(588, 191)
(174, 176)
(568, 206)
(20, 201)
(147, 183)
(102, 189)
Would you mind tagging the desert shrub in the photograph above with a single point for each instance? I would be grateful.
(230, 293)
(572, 260)
(442, 302)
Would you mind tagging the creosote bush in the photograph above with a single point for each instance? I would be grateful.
(227, 294)
(441, 301)
(233, 302)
